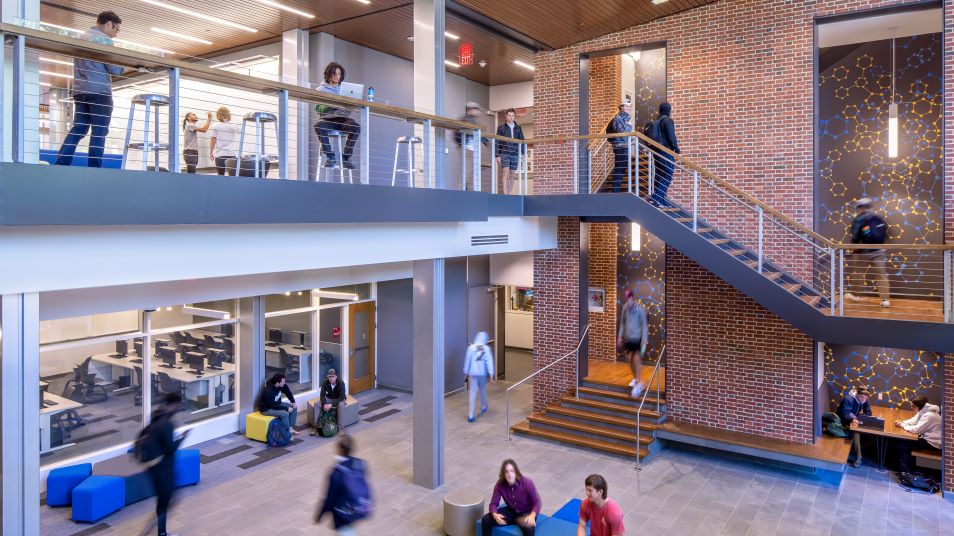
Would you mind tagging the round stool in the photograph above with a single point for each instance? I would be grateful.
(260, 119)
(462, 509)
(151, 102)
(408, 142)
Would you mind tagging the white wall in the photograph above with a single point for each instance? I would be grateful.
(519, 95)
(515, 269)
(628, 76)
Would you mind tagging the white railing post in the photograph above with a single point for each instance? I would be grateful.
(695, 201)
(841, 282)
(477, 151)
(366, 149)
(834, 270)
(426, 138)
(493, 166)
(576, 165)
(651, 172)
(283, 114)
(174, 165)
(589, 170)
(761, 219)
(636, 165)
(629, 162)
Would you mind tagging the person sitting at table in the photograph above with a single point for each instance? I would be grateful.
(927, 424)
(854, 403)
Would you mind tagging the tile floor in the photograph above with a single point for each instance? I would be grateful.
(678, 493)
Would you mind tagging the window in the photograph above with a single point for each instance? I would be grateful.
(289, 324)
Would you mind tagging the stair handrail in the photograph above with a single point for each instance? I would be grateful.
(642, 402)
(575, 351)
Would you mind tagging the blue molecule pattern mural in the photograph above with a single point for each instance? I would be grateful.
(894, 375)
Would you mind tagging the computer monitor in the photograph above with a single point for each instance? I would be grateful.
(137, 345)
(187, 347)
(122, 348)
(216, 357)
(296, 337)
(168, 356)
(159, 344)
(228, 330)
(196, 362)
(276, 335)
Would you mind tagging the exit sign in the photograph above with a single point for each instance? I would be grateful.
(465, 54)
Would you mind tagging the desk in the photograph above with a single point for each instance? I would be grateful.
(46, 414)
(273, 359)
(112, 368)
(890, 430)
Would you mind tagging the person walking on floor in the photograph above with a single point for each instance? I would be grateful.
(478, 368)
(348, 498)
(664, 162)
(632, 337)
(621, 122)
(869, 227)
(603, 514)
(508, 153)
(854, 403)
(190, 142)
(92, 97)
(521, 502)
(270, 403)
(157, 446)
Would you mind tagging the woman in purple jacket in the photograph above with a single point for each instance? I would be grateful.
(521, 500)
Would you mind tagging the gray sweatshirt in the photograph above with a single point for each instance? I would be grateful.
(93, 76)
(633, 325)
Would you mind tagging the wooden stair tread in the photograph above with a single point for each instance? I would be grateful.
(619, 435)
(736, 252)
(670, 209)
(772, 276)
(609, 406)
(683, 220)
(811, 300)
(600, 417)
(719, 241)
(792, 287)
(751, 263)
(606, 446)
(704, 229)
(618, 395)
(926, 454)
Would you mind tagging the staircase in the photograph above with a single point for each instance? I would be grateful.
(603, 419)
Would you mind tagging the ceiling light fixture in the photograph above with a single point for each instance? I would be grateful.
(524, 65)
(450, 63)
(449, 35)
(203, 16)
(892, 113)
(58, 62)
(178, 35)
(333, 295)
(365, 2)
(59, 75)
(657, 2)
(46, 84)
(276, 5)
(635, 238)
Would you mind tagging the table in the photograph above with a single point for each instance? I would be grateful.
(890, 430)
(106, 366)
(273, 359)
(47, 412)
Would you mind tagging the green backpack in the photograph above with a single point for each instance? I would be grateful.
(832, 425)
(328, 423)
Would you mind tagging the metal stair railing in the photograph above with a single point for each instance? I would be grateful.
(642, 402)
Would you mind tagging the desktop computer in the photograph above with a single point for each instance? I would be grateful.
(122, 349)
(168, 356)
(276, 335)
(186, 347)
(297, 338)
(196, 362)
(216, 358)
(159, 344)
(137, 346)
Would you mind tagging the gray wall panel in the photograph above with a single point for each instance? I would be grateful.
(395, 346)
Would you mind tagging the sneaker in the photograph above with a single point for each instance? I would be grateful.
(637, 390)
(885, 303)
(632, 383)
(470, 419)
(856, 463)
(347, 164)
(330, 162)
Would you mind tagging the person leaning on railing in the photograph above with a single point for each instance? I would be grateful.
(92, 97)
(333, 119)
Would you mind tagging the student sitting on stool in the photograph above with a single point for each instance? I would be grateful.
(853, 404)
(926, 423)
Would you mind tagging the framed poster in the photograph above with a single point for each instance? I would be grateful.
(597, 299)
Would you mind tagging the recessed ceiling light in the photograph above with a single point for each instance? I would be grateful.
(524, 65)
(657, 2)
(58, 75)
(449, 35)
(365, 2)
(283, 7)
(203, 16)
(178, 35)
(58, 62)
(140, 45)
(450, 63)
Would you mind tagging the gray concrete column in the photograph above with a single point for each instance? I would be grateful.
(428, 376)
(249, 355)
(322, 46)
(19, 392)
(295, 69)
(429, 78)
(19, 116)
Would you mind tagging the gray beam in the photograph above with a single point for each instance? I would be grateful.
(428, 376)
(250, 355)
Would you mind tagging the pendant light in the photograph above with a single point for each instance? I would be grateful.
(892, 113)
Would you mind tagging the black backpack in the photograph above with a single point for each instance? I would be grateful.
(874, 230)
(146, 447)
(653, 131)
(917, 481)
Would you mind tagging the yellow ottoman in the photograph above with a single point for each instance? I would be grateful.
(256, 426)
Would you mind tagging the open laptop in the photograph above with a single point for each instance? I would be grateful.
(869, 421)
(355, 91)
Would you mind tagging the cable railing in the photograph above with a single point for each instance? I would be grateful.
(576, 374)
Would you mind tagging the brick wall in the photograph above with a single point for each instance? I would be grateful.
(949, 234)
(606, 82)
(727, 357)
(602, 274)
(556, 317)
(948, 412)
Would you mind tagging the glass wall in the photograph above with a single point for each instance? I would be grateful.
(330, 344)
(289, 325)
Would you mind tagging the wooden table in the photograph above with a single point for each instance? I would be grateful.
(890, 430)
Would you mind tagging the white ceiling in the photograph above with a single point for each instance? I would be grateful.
(880, 27)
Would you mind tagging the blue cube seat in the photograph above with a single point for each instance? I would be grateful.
(570, 512)
(60, 483)
(188, 462)
(97, 497)
(512, 530)
(556, 527)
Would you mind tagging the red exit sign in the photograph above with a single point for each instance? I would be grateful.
(465, 54)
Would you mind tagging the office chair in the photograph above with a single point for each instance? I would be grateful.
(229, 349)
(210, 342)
(167, 385)
(178, 338)
(290, 366)
(138, 399)
(84, 385)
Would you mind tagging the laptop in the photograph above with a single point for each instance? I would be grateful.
(869, 421)
(355, 91)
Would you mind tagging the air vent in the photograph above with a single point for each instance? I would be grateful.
(489, 240)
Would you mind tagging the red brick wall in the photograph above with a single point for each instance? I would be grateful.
(948, 412)
(727, 357)
(602, 274)
(948, 235)
(556, 317)
(606, 85)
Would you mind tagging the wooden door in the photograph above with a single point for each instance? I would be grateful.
(361, 344)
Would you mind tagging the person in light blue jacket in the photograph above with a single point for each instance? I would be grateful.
(478, 368)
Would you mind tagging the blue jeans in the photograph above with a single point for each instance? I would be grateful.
(289, 418)
(89, 110)
(665, 165)
(477, 383)
(620, 166)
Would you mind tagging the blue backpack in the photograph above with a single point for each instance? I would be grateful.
(357, 503)
(278, 435)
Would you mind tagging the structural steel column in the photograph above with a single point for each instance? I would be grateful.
(428, 376)
(249, 355)
(295, 69)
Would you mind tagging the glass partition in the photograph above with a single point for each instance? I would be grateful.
(289, 325)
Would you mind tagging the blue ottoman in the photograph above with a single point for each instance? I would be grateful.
(187, 467)
(511, 530)
(60, 483)
(97, 497)
(571, 512)
(138, 483)
(556, 527)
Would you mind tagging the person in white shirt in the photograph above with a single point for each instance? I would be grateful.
(478, 368)
(927, 424)
(190, 143)
(224, 140)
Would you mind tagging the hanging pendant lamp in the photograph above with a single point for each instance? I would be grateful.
(892, 113)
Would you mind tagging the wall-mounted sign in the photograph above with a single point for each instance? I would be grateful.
(596, 299)
(465, 54)
(336, 332)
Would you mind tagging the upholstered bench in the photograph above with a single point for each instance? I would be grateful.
(138, 483)
(347, 412)
(60, 483)
(97, 497)
(256, 426)
(512, 530)
(570, 512)
(188, 465)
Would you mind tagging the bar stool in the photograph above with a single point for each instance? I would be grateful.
(150, 102)
(409, 141)
(339, 136)
(260, 119)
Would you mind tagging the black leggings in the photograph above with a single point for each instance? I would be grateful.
(221, 167)
(163, 481)
(510, 518)
(191, 157)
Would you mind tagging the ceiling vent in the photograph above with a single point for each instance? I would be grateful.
(489, 240)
